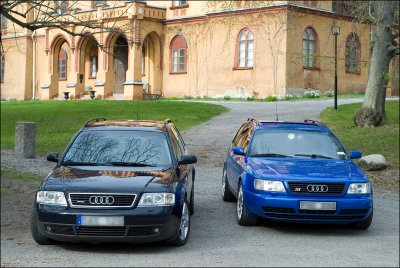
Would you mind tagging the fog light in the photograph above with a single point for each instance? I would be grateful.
(48, 228)
(156, 230)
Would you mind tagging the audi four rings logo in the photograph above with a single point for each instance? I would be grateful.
(315, 188)
(101, 200)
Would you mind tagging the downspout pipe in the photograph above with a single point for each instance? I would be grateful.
(33, 65)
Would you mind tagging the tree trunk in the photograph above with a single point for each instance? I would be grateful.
(375, 93)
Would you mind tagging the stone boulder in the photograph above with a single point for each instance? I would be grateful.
(372, 162)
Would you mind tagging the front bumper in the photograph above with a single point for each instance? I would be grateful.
(141, 225)
(287, 207)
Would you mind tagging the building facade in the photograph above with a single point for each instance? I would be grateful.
(143, 49)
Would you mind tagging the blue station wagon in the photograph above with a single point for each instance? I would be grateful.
(295, 171)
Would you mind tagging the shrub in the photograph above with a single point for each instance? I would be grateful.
(271, 98)
(227, 97)
(311, 94)
(328, 93)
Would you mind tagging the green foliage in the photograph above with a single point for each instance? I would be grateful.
(57, 121)
(271, 98)
(382, 140)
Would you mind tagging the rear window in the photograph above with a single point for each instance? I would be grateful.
(102, 147)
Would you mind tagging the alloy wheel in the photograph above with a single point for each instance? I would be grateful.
(184, 226)
(239, 204)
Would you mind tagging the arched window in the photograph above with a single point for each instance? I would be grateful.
(93, 62)
(3, 63)
(309, 48)
(178, 54)
(245, 49)
(353, 53)
(62, 63)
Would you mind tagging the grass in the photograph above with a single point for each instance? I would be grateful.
(382, 140)
(9, 172)
(57, 121)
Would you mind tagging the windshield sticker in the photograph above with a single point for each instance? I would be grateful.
(341, 153)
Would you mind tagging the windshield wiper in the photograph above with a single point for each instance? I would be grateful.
(73, 163)
(314, 156)
(130, 164)
(270, 155)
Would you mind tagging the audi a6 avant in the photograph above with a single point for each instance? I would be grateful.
(295, 171)
(118, 181)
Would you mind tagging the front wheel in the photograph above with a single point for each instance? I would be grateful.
(244, 217)
(182, 235)
(364, 224)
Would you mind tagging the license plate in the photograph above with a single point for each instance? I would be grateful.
(100, 220)
(317, 205)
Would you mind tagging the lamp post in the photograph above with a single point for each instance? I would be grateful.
(335, 31)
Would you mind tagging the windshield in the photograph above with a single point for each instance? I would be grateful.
(295, 143)
(121, 148)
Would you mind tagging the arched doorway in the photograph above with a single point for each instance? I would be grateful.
(151, 69)
(120, 59)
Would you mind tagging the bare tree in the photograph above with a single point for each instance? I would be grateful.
(37, 14)
(384, 48)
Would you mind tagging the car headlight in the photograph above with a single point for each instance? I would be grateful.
(157, 199)
(270, 186)
(51, 198)
(359, 188)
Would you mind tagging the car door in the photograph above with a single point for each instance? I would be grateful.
(185, 171)
(236, 163)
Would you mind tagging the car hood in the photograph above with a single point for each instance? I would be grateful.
(304, 169)
(109, 179)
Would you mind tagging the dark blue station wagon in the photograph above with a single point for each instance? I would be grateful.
(118, 181)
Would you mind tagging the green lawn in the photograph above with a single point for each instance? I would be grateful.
(382, 140)
(58, 121)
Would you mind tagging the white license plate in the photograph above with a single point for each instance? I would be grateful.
(317, 205)
(100, 220)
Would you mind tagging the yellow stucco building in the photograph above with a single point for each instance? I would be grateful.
(185, 48)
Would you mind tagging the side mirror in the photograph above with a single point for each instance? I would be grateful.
(187, 159)
(355, 154)
(238, 150)
(52, 157)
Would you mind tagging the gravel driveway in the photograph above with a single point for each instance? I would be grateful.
(216, 239)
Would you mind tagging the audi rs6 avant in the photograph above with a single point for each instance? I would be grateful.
(295, 171)
(118, 181)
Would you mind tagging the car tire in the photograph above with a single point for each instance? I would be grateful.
(243, 216)
(364, 224)
(191, 202)
(37, 236)
(227, 195)
(182, 234)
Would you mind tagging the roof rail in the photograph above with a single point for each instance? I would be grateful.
(94, 120)
(166, 122)
(254, 120)
(314, 122)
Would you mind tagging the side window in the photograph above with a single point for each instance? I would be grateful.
(175, 144)
(243, 136)
(181, 143)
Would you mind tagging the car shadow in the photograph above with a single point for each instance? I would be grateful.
(316, 229)
(127, 248)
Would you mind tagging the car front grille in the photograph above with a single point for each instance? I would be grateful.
(320, 188)
(100, 231)
(305, 214)
(101, 200)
